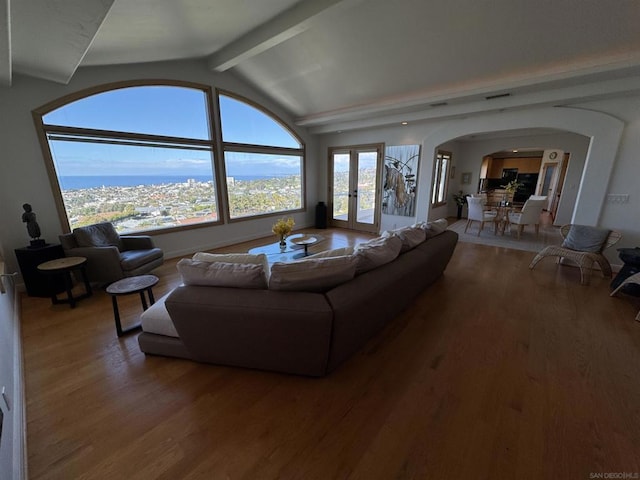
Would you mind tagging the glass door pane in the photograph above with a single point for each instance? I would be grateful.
(549, 170)
(444, 168)
(366, 186)
(355, 187)
(341, 197)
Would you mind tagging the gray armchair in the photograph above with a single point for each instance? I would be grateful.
(110, 256)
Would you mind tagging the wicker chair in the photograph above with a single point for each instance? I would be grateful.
(585, 260)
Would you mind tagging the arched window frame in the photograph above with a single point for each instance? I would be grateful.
(214, 143)
(255, 148)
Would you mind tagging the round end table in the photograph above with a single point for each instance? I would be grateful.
(128, 286)
(64, 266)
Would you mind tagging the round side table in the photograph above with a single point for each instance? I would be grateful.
(64, 266)
(128, 286)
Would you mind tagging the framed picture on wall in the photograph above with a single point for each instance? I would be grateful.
(466, 178)
(400, 180)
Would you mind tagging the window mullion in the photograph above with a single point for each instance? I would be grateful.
(246, 148)
(111, 134)
(82, 139)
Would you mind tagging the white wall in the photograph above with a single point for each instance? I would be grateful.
(12, 444)
(625, 178)
(12, 452)
(604, 137)
(23, 177)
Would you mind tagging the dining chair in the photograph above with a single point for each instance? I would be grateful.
(529, 215)
(477, 213)
(484, 198)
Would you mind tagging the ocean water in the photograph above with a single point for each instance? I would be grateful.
(84, 182)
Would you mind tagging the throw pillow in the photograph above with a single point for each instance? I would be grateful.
(247, 258)
(377, 252)
(584, 238)
(433, 228)
(222, 274)
(411, 237)
(312, 274)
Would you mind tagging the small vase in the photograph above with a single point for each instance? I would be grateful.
(283, 244)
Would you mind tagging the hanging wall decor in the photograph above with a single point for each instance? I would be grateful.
(400, 180)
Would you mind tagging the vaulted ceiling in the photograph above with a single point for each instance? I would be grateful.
(337, 63)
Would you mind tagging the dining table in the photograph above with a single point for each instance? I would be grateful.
(501, 220)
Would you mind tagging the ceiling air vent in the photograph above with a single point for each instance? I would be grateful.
(500, 95)
(438, 104)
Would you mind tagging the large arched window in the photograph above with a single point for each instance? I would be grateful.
(139, 156)
(142, 156)
(264, 160)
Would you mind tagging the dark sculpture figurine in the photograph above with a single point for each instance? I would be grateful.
(33, 228)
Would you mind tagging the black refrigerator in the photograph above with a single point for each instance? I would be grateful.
(529, 182)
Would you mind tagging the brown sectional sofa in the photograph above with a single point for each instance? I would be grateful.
(295, 332)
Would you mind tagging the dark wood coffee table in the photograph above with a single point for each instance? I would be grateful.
(305, 241)
(128, 286)
(291, 251)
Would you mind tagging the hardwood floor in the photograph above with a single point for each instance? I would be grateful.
(494, 372)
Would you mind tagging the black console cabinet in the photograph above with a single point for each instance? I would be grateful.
(39, 285)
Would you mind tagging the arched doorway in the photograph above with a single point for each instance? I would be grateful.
(604, 133)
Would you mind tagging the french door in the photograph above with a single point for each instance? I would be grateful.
(355, 187)
(549, 179)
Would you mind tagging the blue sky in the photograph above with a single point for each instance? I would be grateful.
(170, 111)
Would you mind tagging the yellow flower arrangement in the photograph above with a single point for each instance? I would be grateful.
(283, 228)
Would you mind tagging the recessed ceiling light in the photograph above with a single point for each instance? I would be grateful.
(515, 151)
(404, 123)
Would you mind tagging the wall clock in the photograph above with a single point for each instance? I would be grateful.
(553, 155)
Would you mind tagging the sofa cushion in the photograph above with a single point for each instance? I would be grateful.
(411, 237)
(312, 274)
(377, 252)
(156, 319)
(336, 252)
(132, 259)
(98, 235)
(259, 259)
(222, 274)
(584, 238)
(433, 228)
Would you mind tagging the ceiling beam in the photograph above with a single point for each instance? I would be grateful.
(554, 97)
(290, 23)
(520, 86)
(5, 43)
(55, 35)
